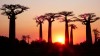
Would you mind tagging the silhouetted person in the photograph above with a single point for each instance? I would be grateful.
(65, 19)
(71, 33)
(86, 19)
(39, 21)
(11, 11)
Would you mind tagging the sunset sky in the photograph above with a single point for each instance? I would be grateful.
(25, 25)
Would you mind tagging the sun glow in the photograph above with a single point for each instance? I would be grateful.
(60, 39)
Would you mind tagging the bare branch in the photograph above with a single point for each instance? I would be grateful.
(50, 16)
(40, 19)
(78, 19)
(65, 13)
(95, 19)
(84, 22)
(73, 26)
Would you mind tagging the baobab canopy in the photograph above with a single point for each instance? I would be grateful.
(17, 8)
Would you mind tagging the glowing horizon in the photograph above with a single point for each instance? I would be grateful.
(25, 25)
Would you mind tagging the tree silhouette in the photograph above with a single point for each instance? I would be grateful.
(28, 37)
(73, 26)
(86, 19)
(65, 19)
(24, 37)
(96, 34)
(39, 21)
(50, 18)
(11, 11)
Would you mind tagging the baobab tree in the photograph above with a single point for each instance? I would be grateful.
(73, 26)
(86, 19)
(11, 11)
(96, 34)
(39, 21)
(65, 15)
(50, 17)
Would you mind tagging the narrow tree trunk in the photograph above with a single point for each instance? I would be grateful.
(40, 31)
(49, 32)
(88, 33)
(28, 40)
(95, 37)
(12, 29)
(71, 36)
(66, 33)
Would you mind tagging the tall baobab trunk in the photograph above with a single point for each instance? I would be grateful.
(50, 32)
(71, 36)
(40, 31)
(88, 33)
(12, 28)
(66, 33)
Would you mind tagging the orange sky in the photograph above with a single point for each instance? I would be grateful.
(25, 25)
